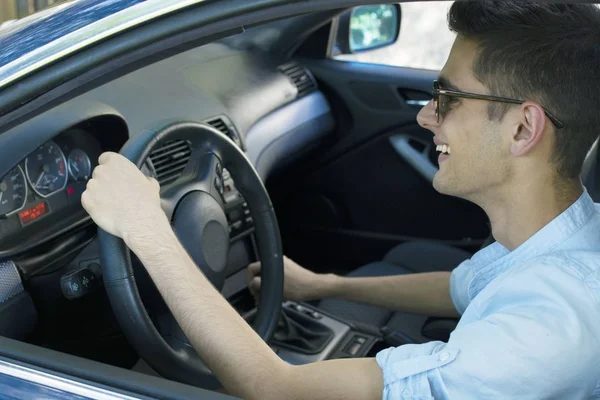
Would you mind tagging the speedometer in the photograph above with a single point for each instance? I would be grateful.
(46, 169)
(13, 191)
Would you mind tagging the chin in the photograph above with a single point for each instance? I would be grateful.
(445, 186)
(439, 184)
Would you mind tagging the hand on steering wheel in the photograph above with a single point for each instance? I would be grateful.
(194, 207)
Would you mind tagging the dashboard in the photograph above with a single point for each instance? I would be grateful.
(48, 181)
(271, 108)
(40, 196)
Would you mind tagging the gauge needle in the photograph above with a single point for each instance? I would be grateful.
(1, 194)
(40, 178)
(74, 164)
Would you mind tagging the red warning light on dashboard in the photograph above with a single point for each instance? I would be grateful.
(33, 213)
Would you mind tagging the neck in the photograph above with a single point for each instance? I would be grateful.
(518, 214)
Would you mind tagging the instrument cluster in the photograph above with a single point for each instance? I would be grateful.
(49, 179)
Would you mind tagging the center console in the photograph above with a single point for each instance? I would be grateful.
(304, 333)
(342, 340)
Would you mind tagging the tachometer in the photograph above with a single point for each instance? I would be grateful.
(46, 169)
(13, 191)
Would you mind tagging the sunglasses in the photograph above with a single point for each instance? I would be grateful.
(438, 99)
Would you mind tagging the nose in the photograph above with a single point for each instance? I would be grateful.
(426, 117)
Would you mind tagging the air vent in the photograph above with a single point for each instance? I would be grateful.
(169, 160)
(225, 127)
(301, 77)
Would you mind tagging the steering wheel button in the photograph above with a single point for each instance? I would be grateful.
(219, 185)
(236, 225)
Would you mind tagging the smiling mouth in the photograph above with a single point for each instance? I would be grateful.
(443, 148)
(445, 152)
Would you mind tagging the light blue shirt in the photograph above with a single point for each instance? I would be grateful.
(530, 326)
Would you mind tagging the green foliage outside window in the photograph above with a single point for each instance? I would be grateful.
(372, 26)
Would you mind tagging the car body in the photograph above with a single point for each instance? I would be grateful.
(336, 140)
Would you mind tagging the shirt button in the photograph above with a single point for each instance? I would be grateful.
(444, 356)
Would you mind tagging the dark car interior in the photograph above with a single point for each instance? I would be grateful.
(335, 143)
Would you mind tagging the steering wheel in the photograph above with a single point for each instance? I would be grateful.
(195, 206)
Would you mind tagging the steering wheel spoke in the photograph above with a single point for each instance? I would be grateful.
(203, 172)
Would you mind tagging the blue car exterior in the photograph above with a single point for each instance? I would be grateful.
(39, 30)
(15, 388)
(22, 382)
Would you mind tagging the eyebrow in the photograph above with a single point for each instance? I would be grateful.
(446, 84)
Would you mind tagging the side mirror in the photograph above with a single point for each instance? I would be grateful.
(368, 27)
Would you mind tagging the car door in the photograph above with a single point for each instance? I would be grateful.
(369, 187)
(32, 372)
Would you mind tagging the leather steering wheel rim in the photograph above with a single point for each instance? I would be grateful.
(182, 363)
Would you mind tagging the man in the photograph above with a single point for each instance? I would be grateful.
(530, 303)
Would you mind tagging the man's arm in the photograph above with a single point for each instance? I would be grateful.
(426, 293)
(125, 203)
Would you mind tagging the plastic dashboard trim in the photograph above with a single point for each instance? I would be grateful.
(288, 130)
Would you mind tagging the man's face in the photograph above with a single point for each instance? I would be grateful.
(479, 159)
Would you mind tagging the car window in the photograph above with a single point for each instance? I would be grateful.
(424, 40)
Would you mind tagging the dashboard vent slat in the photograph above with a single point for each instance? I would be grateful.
(300, 76)
(170, 160)
(226, 128)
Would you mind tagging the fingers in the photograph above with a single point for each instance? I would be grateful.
(85, 201)
(254, 286)
(254, 269)
(97, 171)
(106, 157)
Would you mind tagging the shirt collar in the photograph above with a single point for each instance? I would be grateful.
(495, 259)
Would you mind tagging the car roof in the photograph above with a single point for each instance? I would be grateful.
(22, 36)
(44, 37)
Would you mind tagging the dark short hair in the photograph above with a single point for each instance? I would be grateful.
(548, 53)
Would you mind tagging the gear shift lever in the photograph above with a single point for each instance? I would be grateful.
(299, 332)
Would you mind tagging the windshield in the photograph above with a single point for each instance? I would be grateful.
(52, 20)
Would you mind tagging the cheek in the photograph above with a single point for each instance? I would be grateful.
(478, 148)
(490, 155)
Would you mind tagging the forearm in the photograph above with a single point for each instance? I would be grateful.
(425, 293)
(242, 361)
(225, 342)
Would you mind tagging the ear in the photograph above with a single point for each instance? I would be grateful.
(530, 129)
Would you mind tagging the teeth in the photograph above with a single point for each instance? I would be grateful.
(443, 148)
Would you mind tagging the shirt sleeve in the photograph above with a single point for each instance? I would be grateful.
(459, 285)
(529, 343)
